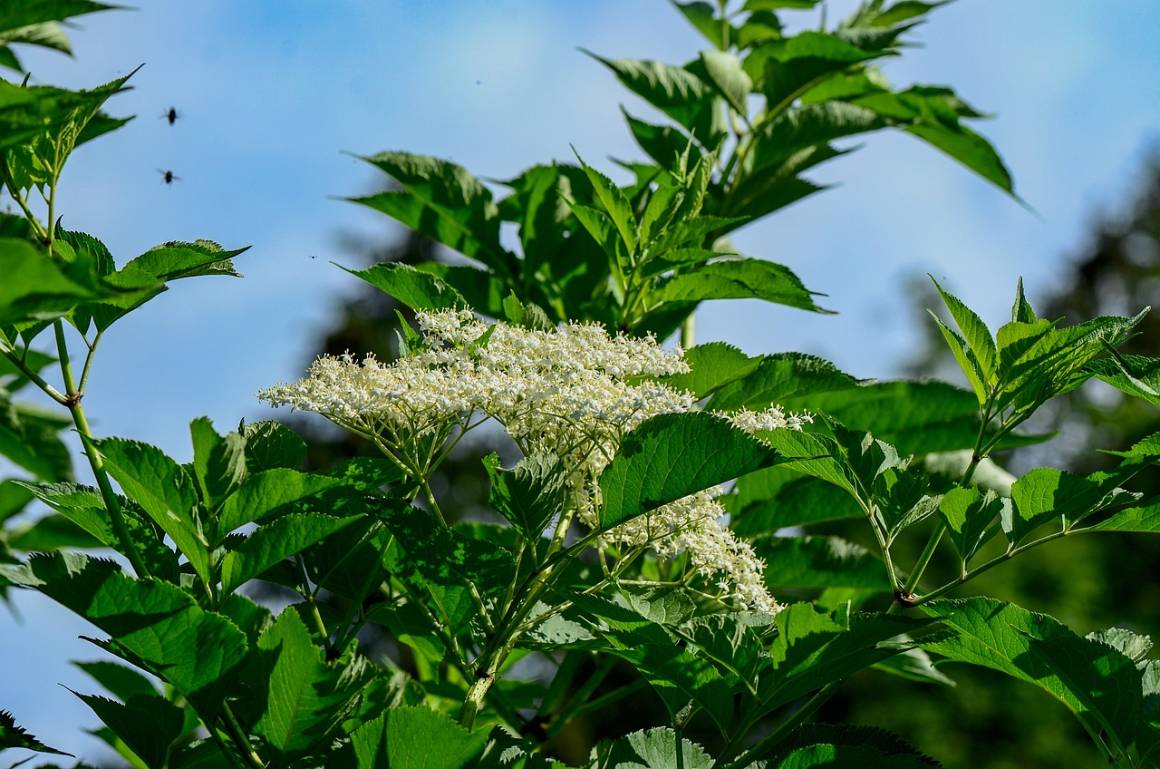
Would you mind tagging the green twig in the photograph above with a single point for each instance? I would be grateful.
(10, 353)
(96, 462)
(241, 741)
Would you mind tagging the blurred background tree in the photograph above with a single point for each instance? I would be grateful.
(989, 720)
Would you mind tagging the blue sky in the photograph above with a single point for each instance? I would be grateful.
(271, 92)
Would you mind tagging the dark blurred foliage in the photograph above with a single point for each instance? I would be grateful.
(1089, 583)
(988, 720)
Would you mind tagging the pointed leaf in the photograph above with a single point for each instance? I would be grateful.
(151, 620)
(672, 456)
(273, 543)
(164, 490)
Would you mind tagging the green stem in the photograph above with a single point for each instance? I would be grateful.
(923, 559)
(20, 201)
(88, 361)
(1006, 556)
(241, 742)
(51, 235)
(688, 330)
(308, 594)
(96, 462)
(883, 545)
(508, 630)
(912, 581)
(32, 376)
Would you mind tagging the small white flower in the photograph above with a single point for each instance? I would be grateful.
(573, 391)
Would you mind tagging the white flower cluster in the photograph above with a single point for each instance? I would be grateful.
(694, 525)
(772, 418)
(573, 391)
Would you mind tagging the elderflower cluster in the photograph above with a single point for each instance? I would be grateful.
(694, 525)
(573, 391)
(772, 418)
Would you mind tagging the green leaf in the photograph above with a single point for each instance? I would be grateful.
(676, 675)
(778, 497)
(154, 622)
(815, 455)
(850, 747)
(791, 66)
(820, 562)
(966, 359)
(932, 114)
(14, 497)
(677, 92)
(29, 12)
(85, 507)
(527, 316)
(916, 417)
(164, 490)
(268, 492)
(974, 331)
(52, 532)
(15, 736)
(1135, 375)
(1144, 519)
(271, 444)
(726, 75)
(740, 279)
(219, 463)
(899, 12)
(537, 204)
(657, 748)
(814, 648)
(274, 542)
(301, 699)
(33, 118)
(969, 148)
(672, 456)
(809, 126)
(415, 288)
(529, 495)
(483, 291)
(442, 201)
(35, 287)
(49, 35)
(1021, 311)
(174, 260)
(1099, 684)
(446, 556)
(704, 19)
(615, 204)
(121, 681)
(773, 5)
(711, 367)
(971, 518)
(779, 378)
(415, 738)
(915, 665)
(147, 724)
(40, 127)
(1047, 494)
(843, 86)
